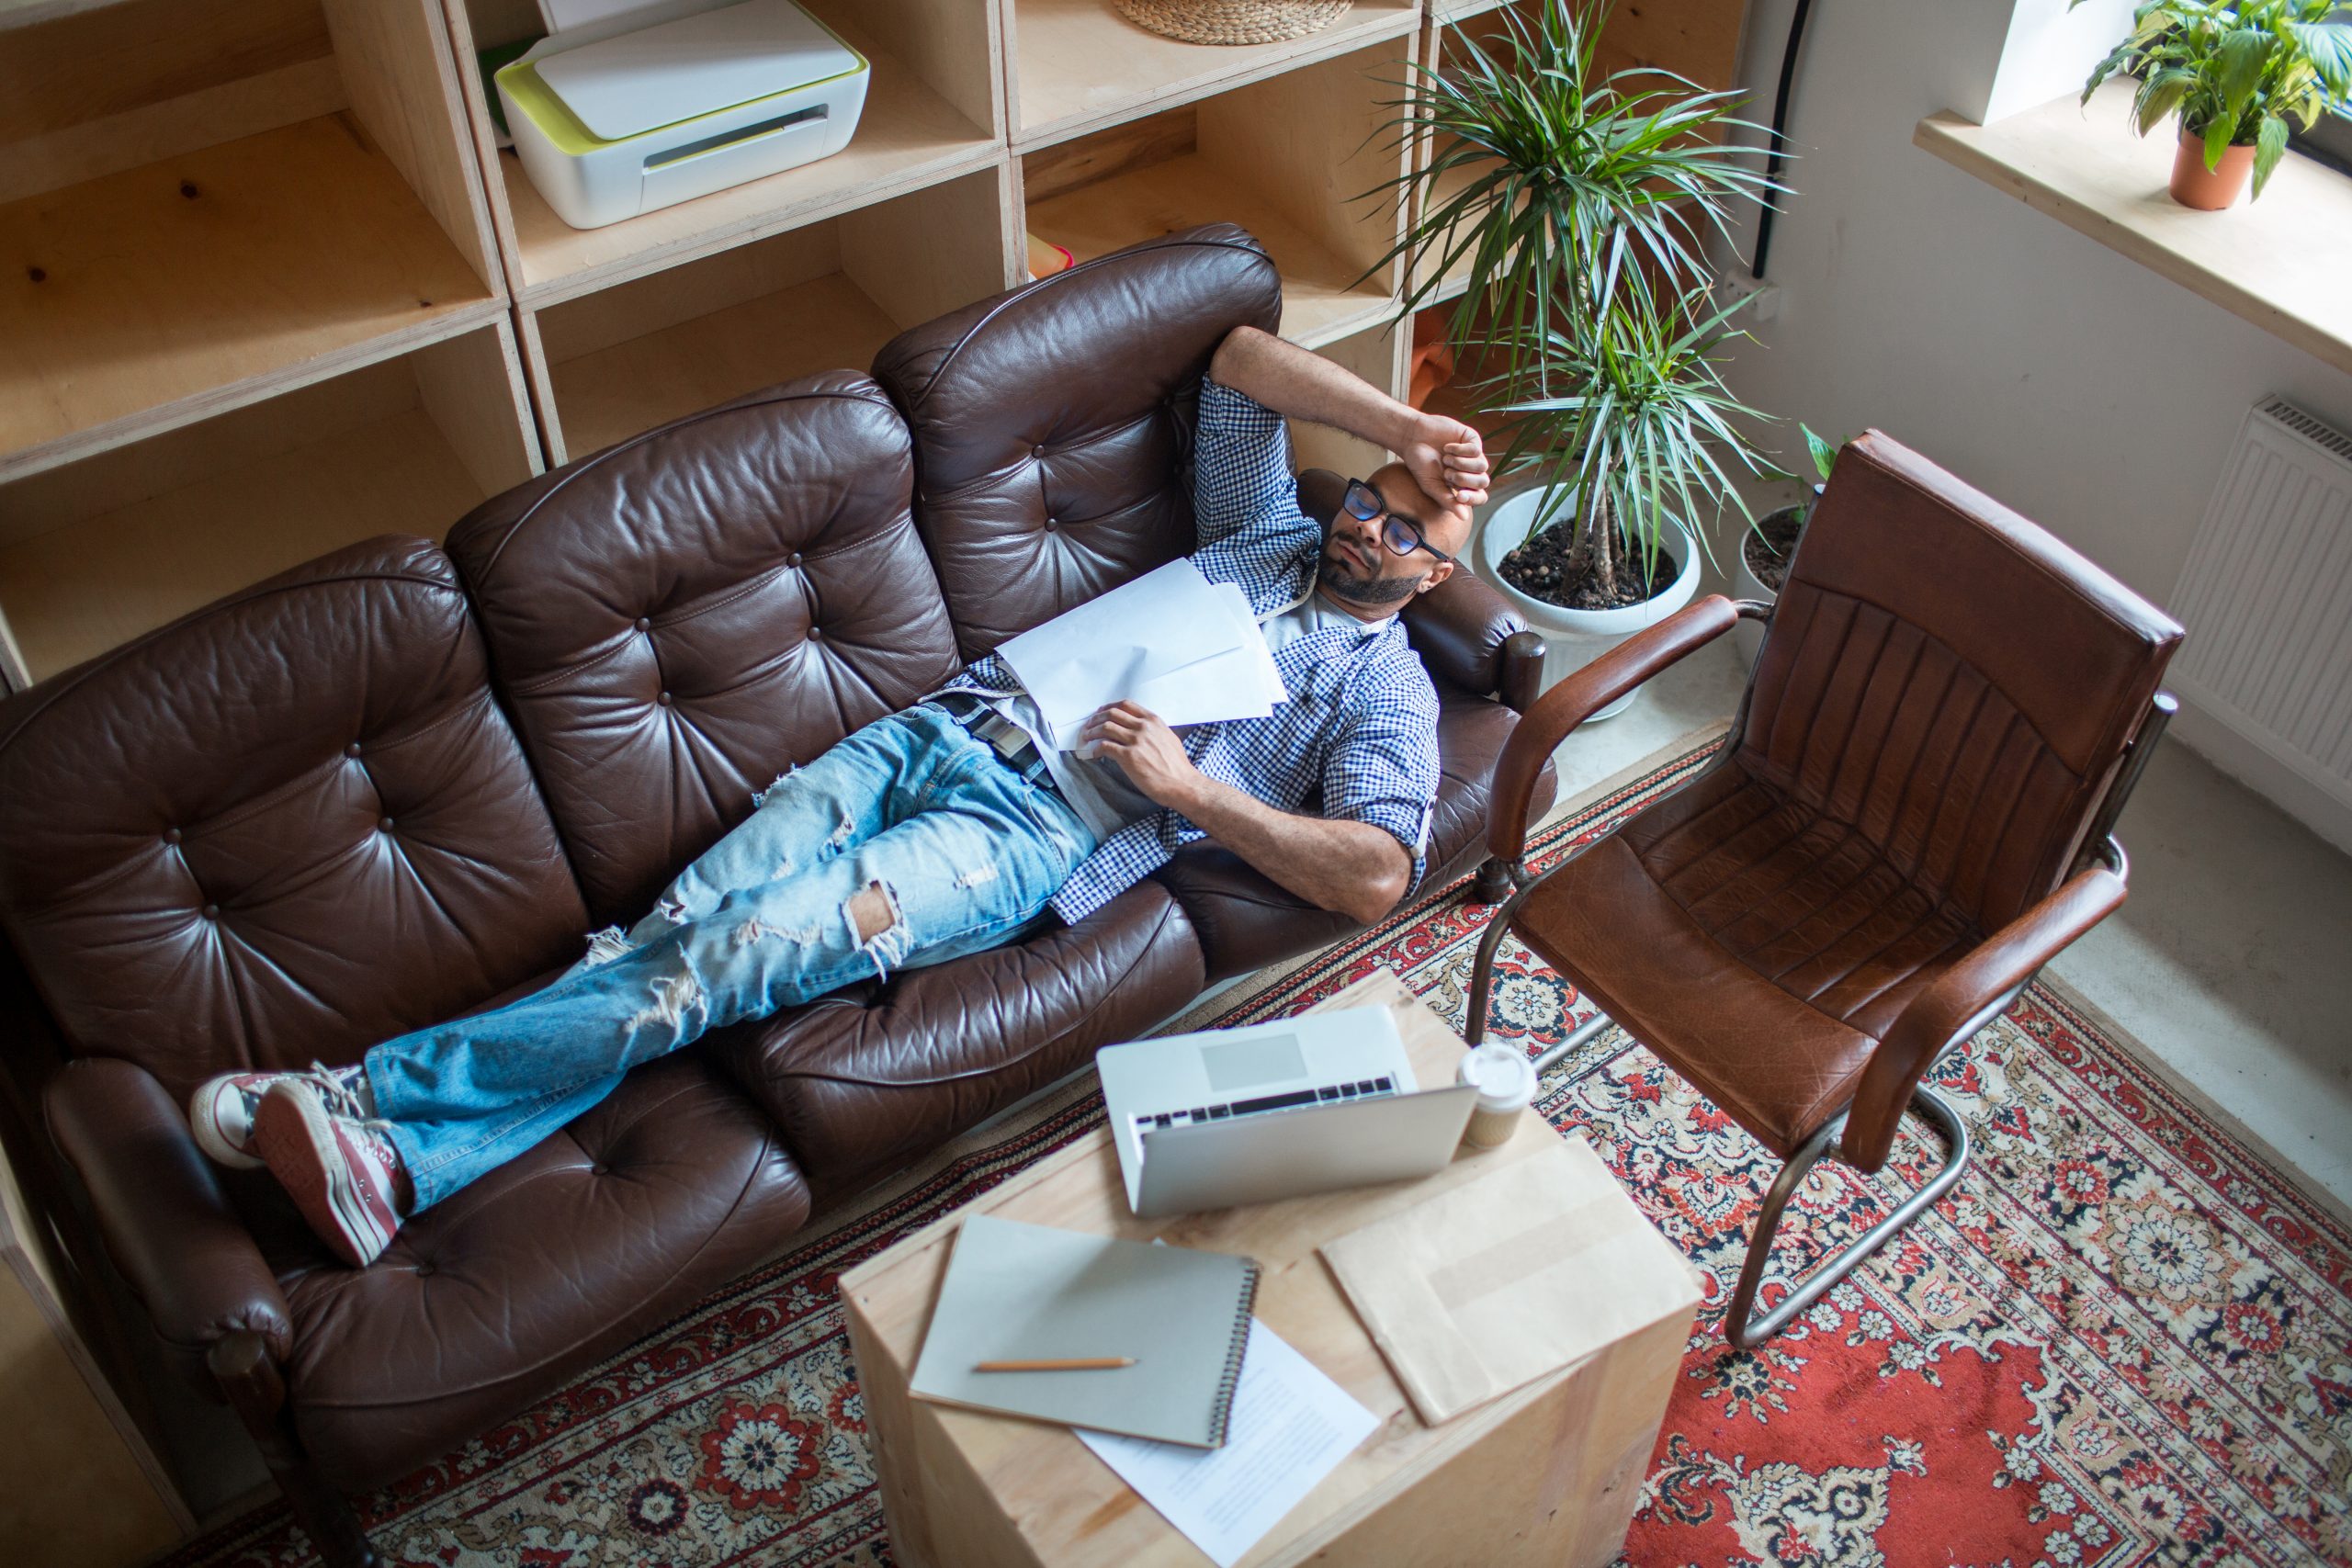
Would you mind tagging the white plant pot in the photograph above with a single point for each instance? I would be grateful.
(1574, 639)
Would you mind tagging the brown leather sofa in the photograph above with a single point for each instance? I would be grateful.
(396, 785)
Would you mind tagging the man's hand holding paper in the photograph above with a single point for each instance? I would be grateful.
(1170, 642)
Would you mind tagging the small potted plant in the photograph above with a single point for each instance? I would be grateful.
(1574, 205)
(1767, 546)
(2235, 73)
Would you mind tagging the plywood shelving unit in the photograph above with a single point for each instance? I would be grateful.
(252, 305)
(204, 203)
(279, 223)
(822, 297)
(1291, 158)
(96, 552)
(1076, 65)
(935, 109)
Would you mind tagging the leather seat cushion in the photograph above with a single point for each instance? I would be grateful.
(878, 1073)
(492, 1298)
(1246, 922)
(1760, 949)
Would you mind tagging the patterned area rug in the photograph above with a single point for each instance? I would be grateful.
(2122, 1339)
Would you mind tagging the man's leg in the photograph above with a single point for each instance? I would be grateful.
(871, 780)
(969, 854)
(860, 787)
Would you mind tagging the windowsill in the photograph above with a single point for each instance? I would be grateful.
(2279, 262)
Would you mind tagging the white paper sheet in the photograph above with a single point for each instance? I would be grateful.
(1290, 1426)
(1169, 640)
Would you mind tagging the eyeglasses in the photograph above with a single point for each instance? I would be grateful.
(1398, 532)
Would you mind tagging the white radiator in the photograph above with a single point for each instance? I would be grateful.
(2266, 599)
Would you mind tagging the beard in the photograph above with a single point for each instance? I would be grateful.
(1335, 570)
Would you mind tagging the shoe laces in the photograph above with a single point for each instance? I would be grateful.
(338, 1089)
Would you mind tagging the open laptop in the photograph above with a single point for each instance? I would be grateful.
(1308, 1104)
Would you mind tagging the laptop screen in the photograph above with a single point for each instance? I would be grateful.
(1244, 1064)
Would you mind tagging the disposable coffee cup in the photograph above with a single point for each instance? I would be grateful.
(1505, 1084)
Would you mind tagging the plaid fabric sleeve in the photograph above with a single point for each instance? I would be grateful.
(1383, 767)
(1240, 464)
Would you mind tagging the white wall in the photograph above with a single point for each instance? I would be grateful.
(2050, 48)
(2041, 367)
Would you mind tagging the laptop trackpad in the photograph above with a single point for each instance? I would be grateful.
(1246, 1063)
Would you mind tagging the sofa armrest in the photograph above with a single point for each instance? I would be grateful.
(1963, 999)
(1465, 632)
(168, 1225)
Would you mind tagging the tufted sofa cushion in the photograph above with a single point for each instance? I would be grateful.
(880, 1073)
(678, 619)
(285, 827)
(670, 1187)
(1050, 424)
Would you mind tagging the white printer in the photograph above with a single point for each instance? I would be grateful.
(627, 107)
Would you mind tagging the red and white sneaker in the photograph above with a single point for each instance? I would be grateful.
(341, 1172)
(221, 1111)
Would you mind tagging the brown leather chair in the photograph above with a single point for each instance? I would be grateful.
(1910, 816)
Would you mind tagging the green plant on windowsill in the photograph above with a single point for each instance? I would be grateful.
(2236, 74)
(1577, 205)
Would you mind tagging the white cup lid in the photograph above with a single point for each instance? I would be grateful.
(1504, 1079)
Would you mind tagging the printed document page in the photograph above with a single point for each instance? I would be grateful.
(1291, 1427)
(1168, 640)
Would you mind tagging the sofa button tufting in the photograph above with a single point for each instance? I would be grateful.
(816, 634)
(171, 835)
(212, 911)
(1036, 451)
(424, 1269)
(663, 699)
(644, 623)
(1052, 523)
(792, 560)
(383, 824)
(351, 749)
(599, 1168)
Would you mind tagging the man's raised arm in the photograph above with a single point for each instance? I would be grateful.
(1297, 384)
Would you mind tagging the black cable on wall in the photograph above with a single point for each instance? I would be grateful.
(1780, 136)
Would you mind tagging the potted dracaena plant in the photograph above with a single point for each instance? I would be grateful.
(2236, 74)
(1571, 207)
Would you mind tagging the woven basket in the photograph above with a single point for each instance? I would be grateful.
(1232, 21)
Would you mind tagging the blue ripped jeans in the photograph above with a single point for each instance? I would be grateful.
(909, 843)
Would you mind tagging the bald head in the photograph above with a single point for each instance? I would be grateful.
(1444, 520)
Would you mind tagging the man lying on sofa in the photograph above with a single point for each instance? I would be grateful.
(942, 830)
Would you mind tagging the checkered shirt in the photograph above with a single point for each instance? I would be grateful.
(1357, 739)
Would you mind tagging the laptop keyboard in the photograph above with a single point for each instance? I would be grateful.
(1328, 1094)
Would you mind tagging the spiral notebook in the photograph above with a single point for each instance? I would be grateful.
(1018, 1292)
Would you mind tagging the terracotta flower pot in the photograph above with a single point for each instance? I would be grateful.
(2209, 191)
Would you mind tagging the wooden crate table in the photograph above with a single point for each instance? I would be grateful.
(1548, 1473)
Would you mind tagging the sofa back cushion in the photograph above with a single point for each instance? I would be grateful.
(1050, 424)
(676, 621)
(284, 827)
